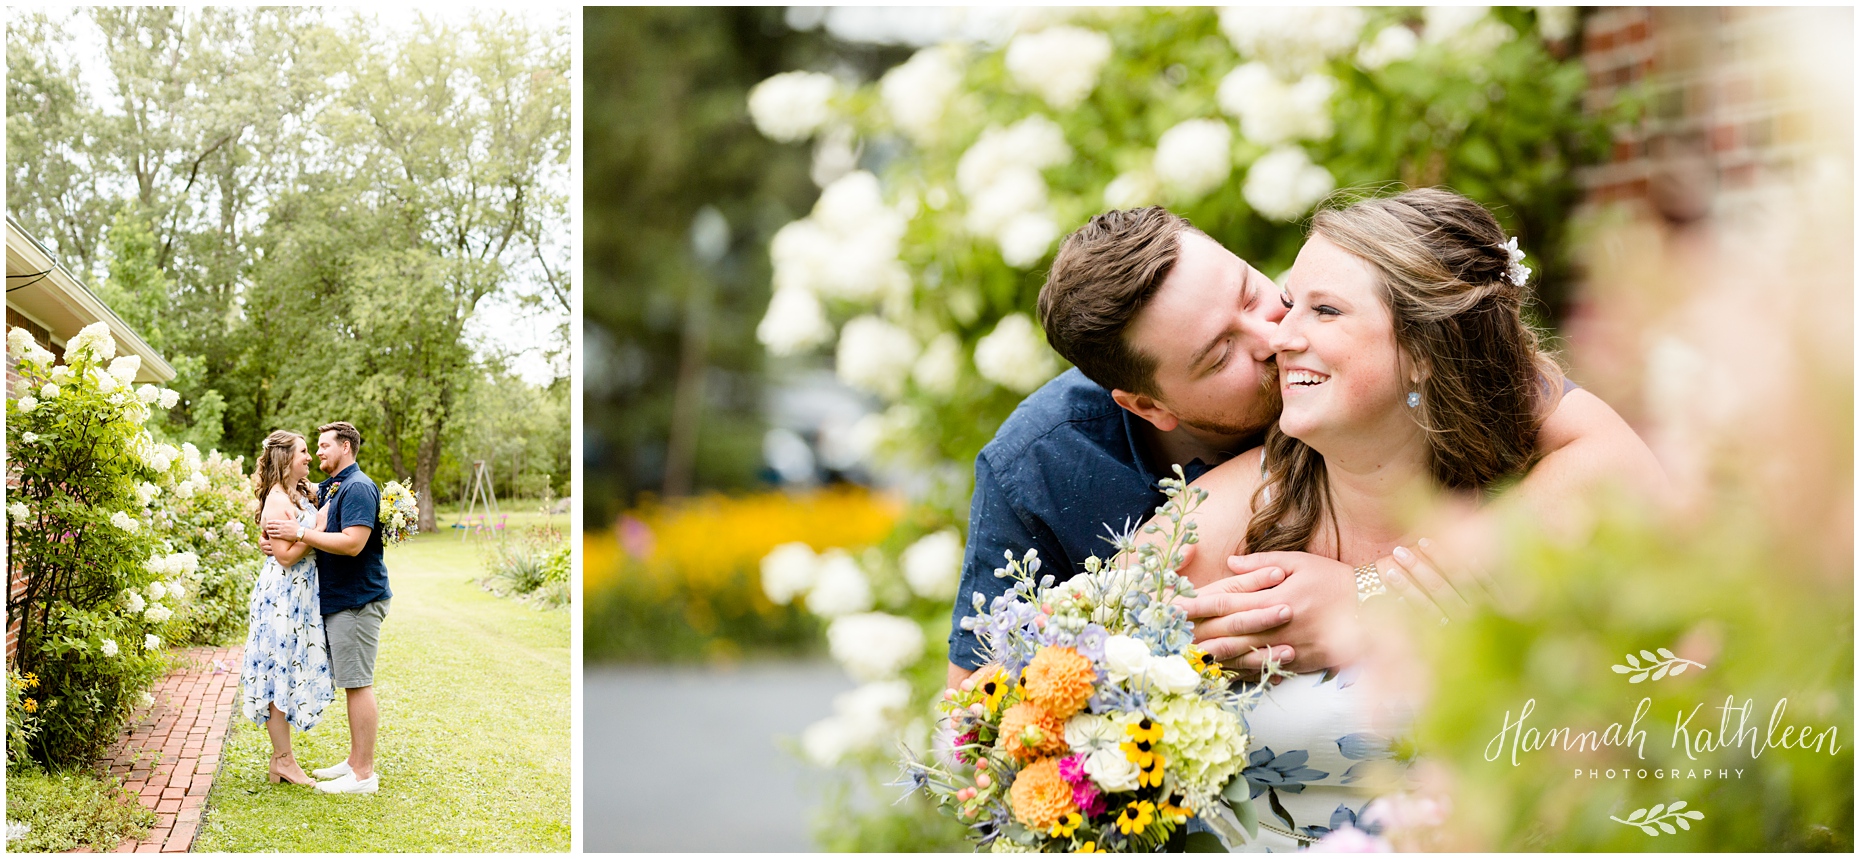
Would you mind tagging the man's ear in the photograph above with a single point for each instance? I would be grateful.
(1147, 408)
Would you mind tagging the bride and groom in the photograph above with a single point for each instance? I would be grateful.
(1394, 359)
(315, 620)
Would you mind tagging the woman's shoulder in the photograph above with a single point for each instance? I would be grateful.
(1239, 475)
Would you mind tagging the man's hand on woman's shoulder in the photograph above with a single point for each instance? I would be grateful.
(1300, 605)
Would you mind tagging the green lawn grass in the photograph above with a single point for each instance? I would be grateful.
(473, 750)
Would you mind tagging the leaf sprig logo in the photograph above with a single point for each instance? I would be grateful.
(1662, 816)
(1661, 666)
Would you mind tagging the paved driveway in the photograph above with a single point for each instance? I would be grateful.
(686, 758)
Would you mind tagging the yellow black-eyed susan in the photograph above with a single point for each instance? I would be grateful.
(1067, 824)
(1088, 847)
(1174, 810)
(1136, 817)
(1138, 753)
(1203, 661)
(1151, 774)
(994, 689)
(1144, 729)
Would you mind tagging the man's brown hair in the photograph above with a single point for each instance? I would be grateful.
(1103, 275)
(344, 431)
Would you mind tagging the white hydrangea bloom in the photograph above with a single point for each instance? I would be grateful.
(18, 340)
(177, 590)
(61, 374)
(917, 92)
(190, 455)
(50, 391)
(1132, 190)
(940, 366)
(134, 602)
(1271, 111)
(109, 647)
(1025, 238)
(1283, 184)
(801, 252)
(794, 323)
(158, 613)
(840, 586)
(1014, 192)
(28, 403)
(1445, 22)
(157, 590)
(1466, 29)
(169, 397)
(18, 511)
(1394, 43)
(933, 565)
(1060, 64)
(1035, 143)
(94, 344)
(235, 528)
(788, 571)
(124, 521)
(1556, 23)
(1013, 355)
(874, 645)
(847, 248)
(862, 719)
(29, 437)
(148, 393)
(39, 355)
(875, 355)
(106, 383)
(791, 106)
(1292, 39)
(1195, 156)
(147, 492)
(186, 563)
(151, 642)
(124, 369)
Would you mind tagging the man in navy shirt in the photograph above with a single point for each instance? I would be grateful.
(1169, 333)
(353, 591)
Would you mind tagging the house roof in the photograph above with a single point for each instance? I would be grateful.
(43, 290)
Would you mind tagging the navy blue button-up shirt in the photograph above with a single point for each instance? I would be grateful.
(346, 581)
(1065, 464)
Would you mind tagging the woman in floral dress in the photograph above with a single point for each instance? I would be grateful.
(286, 676)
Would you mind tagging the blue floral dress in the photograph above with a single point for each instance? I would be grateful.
(286, 654)
(1313, 755)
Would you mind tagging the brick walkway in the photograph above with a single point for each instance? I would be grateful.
(173, 748)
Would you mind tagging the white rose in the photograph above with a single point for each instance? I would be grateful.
(791, 106)
(28, 403)
(1025, 238)
(124, 369)
(169, 397)
(1395, 43)
(1061, 63)
(1195, 156)
(840, 587)
(788, 571)
(151, 642)
(1125, 657)
(874, 645)
(940, 366)
(148, 393)
(1013, 355)
(19, 512)
(122, 520)
(1174, 675)
(1111, 770)
(1283, 184)
(917, 92)
(1292, 39)
(18, 340)
(1132, 190)
(933, 565)
(108, 647)
(50, 391)
(875, 355)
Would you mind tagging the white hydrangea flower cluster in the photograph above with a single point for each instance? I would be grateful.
(939, 368)
(1205, 743)
(1014, 356)
(875, 355)
(18, 512)
(123, 370)
(125, 522)
(1195, 157)
(1060, 64)
(93, 344)
(173, 565)
(862, 719)
(1272, 111)
(1283, 184)
(847, 249)
(832, 582)
(1392, 44)
(918, 91)
(1292, 40)
(791, 106)
(1466, 29)
(21, 347)
(933, 565)
(874, 645)
(1000, 176)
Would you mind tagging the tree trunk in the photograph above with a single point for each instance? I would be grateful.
(425, 465)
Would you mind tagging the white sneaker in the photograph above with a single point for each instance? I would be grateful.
(337, 771)
(348, 783)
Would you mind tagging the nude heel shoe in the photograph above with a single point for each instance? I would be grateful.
(273, 776)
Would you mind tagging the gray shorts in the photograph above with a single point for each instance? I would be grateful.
(354, 635)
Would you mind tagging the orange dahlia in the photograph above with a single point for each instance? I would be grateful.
(1060, 680)
(1028, 731)
(1041, 798)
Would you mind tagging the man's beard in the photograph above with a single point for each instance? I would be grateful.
(1264, 414)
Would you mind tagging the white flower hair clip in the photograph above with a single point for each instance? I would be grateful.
(1517, 272)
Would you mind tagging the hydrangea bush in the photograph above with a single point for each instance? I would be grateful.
(98, 523)
(917, 275)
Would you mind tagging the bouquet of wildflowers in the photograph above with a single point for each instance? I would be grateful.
(1098, 726)
(400, 513)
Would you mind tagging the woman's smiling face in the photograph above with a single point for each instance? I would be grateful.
(1340, 371)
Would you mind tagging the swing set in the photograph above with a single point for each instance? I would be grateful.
(477, 519)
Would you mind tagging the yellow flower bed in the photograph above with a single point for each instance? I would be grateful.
(716, 542)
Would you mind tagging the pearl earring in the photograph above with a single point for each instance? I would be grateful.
(1414, 399)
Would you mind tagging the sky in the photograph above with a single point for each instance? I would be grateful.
(499, 326)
